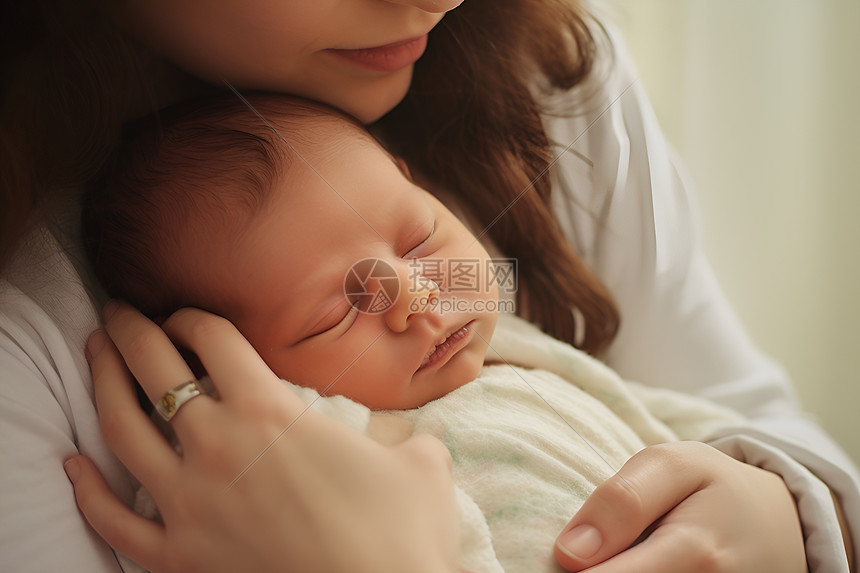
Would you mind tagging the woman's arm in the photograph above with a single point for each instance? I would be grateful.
(46, 415)
(262, 484)
(627, 208)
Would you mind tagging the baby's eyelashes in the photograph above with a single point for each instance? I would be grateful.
(338, 319)
(421, 249)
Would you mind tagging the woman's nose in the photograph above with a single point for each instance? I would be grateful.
(430, 5)
(416, 297)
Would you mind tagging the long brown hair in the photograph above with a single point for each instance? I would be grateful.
(69, 79)
(472, 119)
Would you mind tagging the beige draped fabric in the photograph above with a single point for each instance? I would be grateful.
(759, 98)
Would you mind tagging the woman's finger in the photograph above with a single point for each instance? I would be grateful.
(743, 520)
(649, 485)
(675, 548)
(125, 427)
(227, 356)
(130, 534)
(153, 359)
(150, 355)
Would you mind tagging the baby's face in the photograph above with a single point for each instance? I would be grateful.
(357, 282)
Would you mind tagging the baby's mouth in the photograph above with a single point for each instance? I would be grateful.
(444, 349)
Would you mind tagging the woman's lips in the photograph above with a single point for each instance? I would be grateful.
(443, 352)
(388, 58)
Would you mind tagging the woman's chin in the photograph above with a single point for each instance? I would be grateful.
(378, 98)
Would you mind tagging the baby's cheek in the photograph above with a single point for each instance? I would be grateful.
(299, 368)
(472, 367)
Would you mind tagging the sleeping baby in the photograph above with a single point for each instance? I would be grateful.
(367, 293)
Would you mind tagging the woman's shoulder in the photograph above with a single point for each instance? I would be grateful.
(615, 177)
(46, 415)
(42, 286)
(46, 316)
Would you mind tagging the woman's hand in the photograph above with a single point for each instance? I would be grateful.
(262, 485)
(703, 511)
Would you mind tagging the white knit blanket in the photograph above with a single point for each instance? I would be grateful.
(532, 437)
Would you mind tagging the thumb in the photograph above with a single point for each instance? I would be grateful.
(622, 508)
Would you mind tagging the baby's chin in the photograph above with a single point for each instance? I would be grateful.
(466, 368)
(420, 390)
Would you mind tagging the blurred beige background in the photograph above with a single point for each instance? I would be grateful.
(760, 98)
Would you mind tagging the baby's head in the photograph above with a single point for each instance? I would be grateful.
(292, 222)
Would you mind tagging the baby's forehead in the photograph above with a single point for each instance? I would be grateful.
(322, 134)
(289, 125)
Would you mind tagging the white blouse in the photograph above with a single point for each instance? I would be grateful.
(630, 214)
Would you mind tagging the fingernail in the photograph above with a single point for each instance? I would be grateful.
(73, 469)
(109, 310)
(95, 344)
(581, 542)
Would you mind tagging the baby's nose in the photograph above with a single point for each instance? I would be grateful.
(416, 297)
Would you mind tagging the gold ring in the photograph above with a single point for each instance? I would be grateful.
(174, 399)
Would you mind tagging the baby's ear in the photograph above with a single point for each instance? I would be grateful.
(401, 163)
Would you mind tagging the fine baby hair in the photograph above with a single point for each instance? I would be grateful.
(195, 172)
